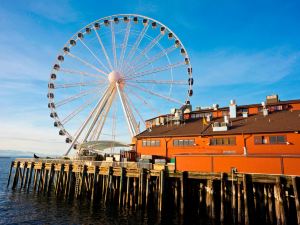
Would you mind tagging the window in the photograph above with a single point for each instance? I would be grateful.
(272, 139)
(222, 141)
(277, 139)
(186, 142)
(258, 140)
(150, 143)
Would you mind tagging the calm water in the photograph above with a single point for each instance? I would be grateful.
(19, 207)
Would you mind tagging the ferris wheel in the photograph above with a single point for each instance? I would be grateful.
(114, 73)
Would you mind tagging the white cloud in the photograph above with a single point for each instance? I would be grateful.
(225, 67)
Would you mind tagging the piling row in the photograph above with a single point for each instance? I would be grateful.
(231, 198)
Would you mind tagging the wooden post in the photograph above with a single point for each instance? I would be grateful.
(239, 203)
(296, 194)
(233, 201)
(147, 189)
(134, 192)
(161, 189)
(270, 204)
(183, 181)
(175, 193)
(222, 199)
(16, 178)
(84, 174)
(26, 177)
(35, 175)
(213, 213)
(11, 167)
(127, 191)
(21, 174)
(68, 180)
(277, 207)
(94, 183)
(246, 200)
(51, 177)
(121, 186)
(281, 200)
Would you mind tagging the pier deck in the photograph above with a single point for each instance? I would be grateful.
(236, 197)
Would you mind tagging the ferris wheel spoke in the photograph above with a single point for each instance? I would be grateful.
(100, 123)
(135, 109)
(132, 119)
(78, 110)
(82, 73)
(136, 45)
(106, 103)
(177, 82)
(103, 50)
(113, 40)
(129, 119)
(154, 70)
(80, 84)
(147, 48)
(156, 57)
(114, 124)
(124, 45)
(155, 94)
(93, 54)
(144, 101)
(77, 96)
(87, 64)
(84, 124)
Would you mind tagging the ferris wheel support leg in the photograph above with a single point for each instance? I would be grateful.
(108, 96)
(131, 130)
(104, 118)
(86, 122)
(135, 126)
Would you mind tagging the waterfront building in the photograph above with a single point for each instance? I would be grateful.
(256, 138)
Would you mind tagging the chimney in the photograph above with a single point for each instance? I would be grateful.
(208, 118)
(226, 120)
(265, 110)
(232, 109)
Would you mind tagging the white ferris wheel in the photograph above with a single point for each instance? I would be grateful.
(112, 75)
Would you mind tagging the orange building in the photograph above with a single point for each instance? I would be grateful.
(257, 138)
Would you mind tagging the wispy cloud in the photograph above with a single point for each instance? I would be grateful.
(23, 135)
(227, 67)
(61, 12)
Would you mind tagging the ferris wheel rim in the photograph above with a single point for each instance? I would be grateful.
(90, 25)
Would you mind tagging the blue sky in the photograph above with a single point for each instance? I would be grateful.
(241, 50)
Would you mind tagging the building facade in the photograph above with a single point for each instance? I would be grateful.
(248, 138)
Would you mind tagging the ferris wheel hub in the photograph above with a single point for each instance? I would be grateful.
(114, 76)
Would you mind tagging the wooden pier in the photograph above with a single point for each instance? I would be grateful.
(233, 198)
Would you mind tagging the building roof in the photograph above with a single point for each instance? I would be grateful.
(226, 108)
(276, 122)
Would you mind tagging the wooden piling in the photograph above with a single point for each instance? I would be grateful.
(11, 167)
(183, 181)
(245, 200)
(16, 178)
(222, 198)
(296, 194)
(239, 202)
(140, 188)
(233, 201)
